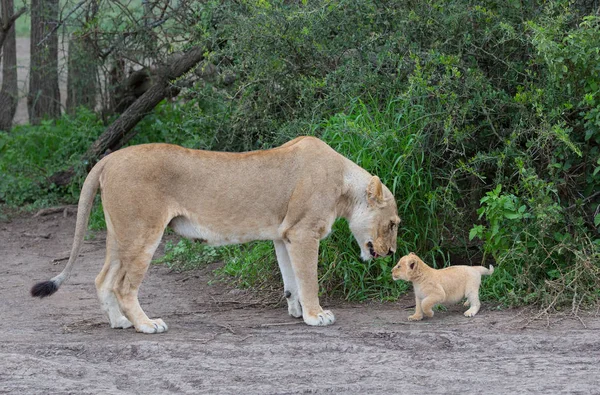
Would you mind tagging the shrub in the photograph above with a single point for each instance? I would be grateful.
(483, 120)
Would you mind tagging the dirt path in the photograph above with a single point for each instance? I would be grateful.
(219, 342)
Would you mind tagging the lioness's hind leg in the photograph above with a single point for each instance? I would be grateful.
(290, 287)
(104, 282)
(127, 281)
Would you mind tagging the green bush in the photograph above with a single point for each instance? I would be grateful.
(29, 155)
(483, 118)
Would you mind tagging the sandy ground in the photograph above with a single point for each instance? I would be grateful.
(222, 340)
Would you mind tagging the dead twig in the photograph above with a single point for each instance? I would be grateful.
(225, 326)
(542, 313)
(54, 210)
(64, 258)
(43, 236)
(204, 341)
(280, 324)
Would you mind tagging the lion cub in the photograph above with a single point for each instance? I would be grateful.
(448, 285)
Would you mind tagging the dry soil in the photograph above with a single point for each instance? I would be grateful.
(222, 340)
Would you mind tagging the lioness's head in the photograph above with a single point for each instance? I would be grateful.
(374, 222)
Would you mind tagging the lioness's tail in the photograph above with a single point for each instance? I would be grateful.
(86, 201)
(484, 271)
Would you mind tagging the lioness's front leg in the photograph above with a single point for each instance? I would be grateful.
(290, 287)
(303, 251)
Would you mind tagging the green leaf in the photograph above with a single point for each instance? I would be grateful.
(512, 215)
(476, 231)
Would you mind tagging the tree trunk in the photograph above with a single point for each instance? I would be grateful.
(43, 100)
(82, 80)
(121, 131)
(9, 91)
(7, 19)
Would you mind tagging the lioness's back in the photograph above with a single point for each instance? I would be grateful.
(257, 186)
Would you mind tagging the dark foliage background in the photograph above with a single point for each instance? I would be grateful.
(482, 117)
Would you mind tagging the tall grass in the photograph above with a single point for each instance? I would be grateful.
(386, 140)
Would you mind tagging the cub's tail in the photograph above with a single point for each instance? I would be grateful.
(484, 271)
(86, 201)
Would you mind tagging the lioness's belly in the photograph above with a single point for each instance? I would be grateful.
(213, 236)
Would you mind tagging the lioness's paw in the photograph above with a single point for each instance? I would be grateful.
(470, 313)
(121, 323)
(323, 318)
(467, 303)
(152, 326)
(294, 308)
(415, 317)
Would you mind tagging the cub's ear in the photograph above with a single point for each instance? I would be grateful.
(412, 265)
(375, 191)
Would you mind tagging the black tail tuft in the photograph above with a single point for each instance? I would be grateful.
(43, 289)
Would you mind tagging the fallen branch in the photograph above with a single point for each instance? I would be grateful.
(121, 131)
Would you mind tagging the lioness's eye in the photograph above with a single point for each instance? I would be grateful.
(392, 224)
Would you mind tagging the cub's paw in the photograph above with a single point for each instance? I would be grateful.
(121, 323)
(152, 326)
(415, 317)
(467, 303)
(470, 313)
(323, 318)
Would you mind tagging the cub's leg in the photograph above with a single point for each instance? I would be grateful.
(429, 302)
(290, 287)
(104, 282)
(473, 300)
(135, 259)
(418, 315)
(303, 250)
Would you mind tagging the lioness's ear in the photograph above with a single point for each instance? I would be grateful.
(375, 191)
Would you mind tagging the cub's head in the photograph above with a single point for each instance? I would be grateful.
(374, 222)
(406, 268)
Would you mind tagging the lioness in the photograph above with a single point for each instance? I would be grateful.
(290, 194)
(448, 285)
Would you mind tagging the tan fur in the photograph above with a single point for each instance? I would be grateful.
(291, 195)
(448, 285)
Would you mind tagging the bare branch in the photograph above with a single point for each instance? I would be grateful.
(60, 23)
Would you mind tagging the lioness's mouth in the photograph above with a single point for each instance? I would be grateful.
(372, 250)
